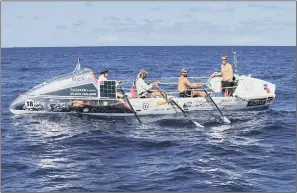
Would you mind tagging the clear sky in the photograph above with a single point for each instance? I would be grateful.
(81, 23)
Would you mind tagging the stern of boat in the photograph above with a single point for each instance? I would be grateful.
(256, 92)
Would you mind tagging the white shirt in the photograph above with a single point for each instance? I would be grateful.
(142, 87)
(102, 78)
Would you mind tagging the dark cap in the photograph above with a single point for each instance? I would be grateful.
(104, 70)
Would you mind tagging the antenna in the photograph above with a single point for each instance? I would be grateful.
(235, 66)
(77, 68)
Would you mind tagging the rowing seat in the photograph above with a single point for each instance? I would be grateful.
(133, 93)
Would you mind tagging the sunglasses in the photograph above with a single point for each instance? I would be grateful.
(224, 59)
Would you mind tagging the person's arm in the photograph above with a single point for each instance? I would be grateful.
(217, 73)
(191, 85)
(145, 86)
(200, 84)
(221, 72)
(149, 86)
(231, 70)
(118, 82)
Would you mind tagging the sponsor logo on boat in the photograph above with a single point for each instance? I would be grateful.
(200, 103)
(76, 103)
(81, 78)
(161, 103)
(266, 88)
(159, 109)
(78, 90)
(29, 103)
(225, 101)
(203, 105)
(227, 107)
(256, 102)
(82, 92)
(145, 106)
(187, 104)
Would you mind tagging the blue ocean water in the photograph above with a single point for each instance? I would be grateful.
(257, 152)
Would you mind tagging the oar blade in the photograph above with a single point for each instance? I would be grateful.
(198, 125)
(226, 120)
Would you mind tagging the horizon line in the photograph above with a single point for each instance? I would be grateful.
(151, 46)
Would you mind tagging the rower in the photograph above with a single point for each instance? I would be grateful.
(103, 74)
(227, 76)
(103, 77)
(144, 90)
(184, 84)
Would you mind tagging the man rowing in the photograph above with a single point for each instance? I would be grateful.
(227, 76)
(144, 90)
(184, 84)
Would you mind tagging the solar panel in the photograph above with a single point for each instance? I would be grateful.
(108, 89)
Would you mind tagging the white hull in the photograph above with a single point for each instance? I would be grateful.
(159, 106)
(80, 92)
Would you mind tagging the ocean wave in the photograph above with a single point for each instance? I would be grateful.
(256, 152)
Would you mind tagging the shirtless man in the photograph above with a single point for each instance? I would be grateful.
(184, 84)
(227, 75)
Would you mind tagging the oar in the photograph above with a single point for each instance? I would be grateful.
(225, 119)
(164, 95)
(131, 106)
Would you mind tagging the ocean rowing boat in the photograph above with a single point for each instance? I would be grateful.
(81, 92)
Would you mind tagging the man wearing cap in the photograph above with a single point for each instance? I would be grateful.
(144, 90)
(184, 84)
(103, 75)
(227, 75)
